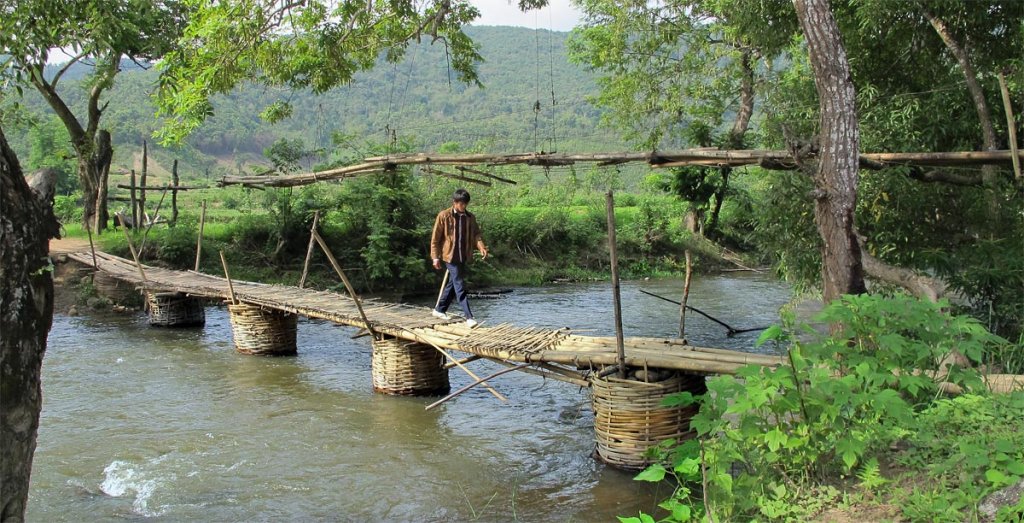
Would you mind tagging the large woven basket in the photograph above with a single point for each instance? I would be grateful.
(629, 418)
(118, 291)
(262, 331)
(175, 309)
(408, 369)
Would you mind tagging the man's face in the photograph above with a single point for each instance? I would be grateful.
(459, 206)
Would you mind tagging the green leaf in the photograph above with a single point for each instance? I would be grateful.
(646, 518)
(997, 478)
(629, 520)
(681, 512)
(771, 333)
(775, 438)
(654, 473)
(1015, 468)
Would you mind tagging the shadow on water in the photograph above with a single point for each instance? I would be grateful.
(152, 423)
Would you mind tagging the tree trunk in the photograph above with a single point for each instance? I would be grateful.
(26, 312)
(836, 176)
(104, 155)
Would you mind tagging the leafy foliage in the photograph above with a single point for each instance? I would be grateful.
(316, 45)
(773, 439)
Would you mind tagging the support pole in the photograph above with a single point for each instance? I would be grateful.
(686, 295)
(174, 192)
(199, 239)
(309, 250)
(142, 183)
(135, 256)
(475, 383)
(92, 248)
(135, 203)
(231, 288)
(616, 299)
(1010, 126)
(344, 279)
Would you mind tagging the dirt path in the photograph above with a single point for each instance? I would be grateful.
(66, 245)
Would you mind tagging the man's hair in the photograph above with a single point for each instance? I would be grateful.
(461, 195)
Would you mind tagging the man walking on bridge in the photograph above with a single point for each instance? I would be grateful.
(455, 234)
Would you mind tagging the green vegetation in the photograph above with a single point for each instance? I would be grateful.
(854, 420)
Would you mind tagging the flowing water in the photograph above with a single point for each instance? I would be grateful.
(143, 423)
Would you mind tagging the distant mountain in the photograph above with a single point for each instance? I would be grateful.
(533, 99)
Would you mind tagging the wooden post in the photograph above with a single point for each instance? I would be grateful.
(620, 348)
(174, 192)
(135, 205)
(199, 239)
(135, 256)
(142, 183)
(92, 248)
(309, 250)
(686, 296)
(231, 288)
(1010, 126)
(344, 279)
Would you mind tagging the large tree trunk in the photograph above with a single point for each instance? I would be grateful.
(836, 177)
(26, 311)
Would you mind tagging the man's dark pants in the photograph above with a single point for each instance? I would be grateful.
(455, 289)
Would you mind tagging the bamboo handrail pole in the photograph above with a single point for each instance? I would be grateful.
(1011, 126)
(309, 250)
(474, 384)
(92, 248)
(199, 238)
(553, 372)
(439, 172)
(231, 288)
(135, 256)
(344, 279)
(453, 359)
(616, 301)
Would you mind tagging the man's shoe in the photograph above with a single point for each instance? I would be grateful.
(438, 314)
(472, 323)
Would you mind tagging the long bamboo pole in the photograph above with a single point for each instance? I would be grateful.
(92, 248)
(134, 202)
(453, 359)
(135, 255)
(616, 298)
(227, 276)
(1011, 126)
(309, 250)
(153, 221)
(474, 384)
(344, 279)
(440, 292)
(686, 295)
(199, 237)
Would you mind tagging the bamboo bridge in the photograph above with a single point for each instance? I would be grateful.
(412, 350)
(520, 344)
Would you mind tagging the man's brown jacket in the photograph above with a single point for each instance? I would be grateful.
(442, 240)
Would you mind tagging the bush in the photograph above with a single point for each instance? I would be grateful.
(68, 209)
(771, 435)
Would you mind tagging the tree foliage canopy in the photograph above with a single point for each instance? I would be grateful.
(313, 45)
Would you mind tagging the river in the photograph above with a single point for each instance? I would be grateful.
(143, 423)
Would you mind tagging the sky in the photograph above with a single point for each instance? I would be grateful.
(557, 16)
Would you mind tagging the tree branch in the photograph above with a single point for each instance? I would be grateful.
(73, 61)
(935, 175)
(917, 284)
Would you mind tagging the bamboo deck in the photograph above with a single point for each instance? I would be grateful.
(557, 353)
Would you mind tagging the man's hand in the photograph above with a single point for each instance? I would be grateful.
(437, 264)
(483, 253)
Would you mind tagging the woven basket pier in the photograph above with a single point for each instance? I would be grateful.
(629, 418)
(408, 369)
(261, 331)
(118, 291)
(175, 309)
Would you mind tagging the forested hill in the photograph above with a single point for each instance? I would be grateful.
(532, 99)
